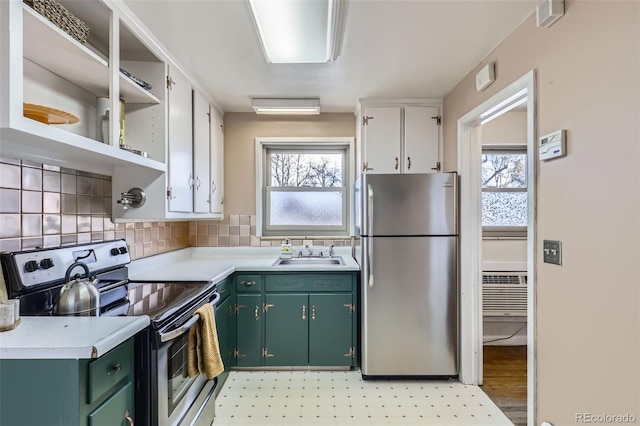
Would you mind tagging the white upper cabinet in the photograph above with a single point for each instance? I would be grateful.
(44, 68)
(201, 154)
(180, 161)
(216, 186)
(135, 115)
(400, 137)
(382, 142)
(421, 139)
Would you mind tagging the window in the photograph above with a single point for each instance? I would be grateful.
(504, 191)
(304, 188)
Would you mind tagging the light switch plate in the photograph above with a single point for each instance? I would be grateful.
(552, 252)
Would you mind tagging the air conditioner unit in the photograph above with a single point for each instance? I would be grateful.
(548, 12)
(504, 294)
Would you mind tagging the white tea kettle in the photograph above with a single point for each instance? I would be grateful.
(78, 297)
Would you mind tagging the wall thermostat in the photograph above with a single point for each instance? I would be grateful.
(552, 145)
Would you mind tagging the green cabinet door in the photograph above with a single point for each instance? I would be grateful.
(330, 330)
(249, 330)
(115, 411)
(223, 325)
(286, 329)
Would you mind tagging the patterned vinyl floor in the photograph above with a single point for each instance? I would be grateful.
(301, 398)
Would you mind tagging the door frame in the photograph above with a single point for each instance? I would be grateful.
(469, 159)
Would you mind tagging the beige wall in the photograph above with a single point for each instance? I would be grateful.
(240, 131)
(588, 309)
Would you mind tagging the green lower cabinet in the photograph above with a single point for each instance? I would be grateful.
(82, 392)
(249, 330)
(114, 408)
(286, 329)
(296, 319)
(224, 316)
(330, 331)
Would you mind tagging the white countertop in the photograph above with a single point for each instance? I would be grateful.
(68, 337)
(217, 263)
(92, 337)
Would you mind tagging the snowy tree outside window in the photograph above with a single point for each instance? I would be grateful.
(504, 190)
(306, 191)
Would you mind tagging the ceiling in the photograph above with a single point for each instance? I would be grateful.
(391, 49)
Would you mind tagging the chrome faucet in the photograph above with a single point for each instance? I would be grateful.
(309, 250)
(331, 250)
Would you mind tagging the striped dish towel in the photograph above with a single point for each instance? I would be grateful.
(204, 353)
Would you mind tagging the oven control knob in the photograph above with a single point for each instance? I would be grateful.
(46, 263)
(115, 252)
(123, 250)
(31, 266)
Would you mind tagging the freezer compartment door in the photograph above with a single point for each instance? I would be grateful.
(409, 204)
(409, 306)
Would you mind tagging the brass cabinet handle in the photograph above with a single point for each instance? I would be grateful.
(304, 312)
(397, 163)
(248, 283)
(408, 163)
(116, 368)
(313, 312)
(255, 312)
(128, 417)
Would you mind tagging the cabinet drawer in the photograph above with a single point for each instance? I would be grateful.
(108, 370)
(309, 282)
(224, 288)
(252, 283)
(115, 409)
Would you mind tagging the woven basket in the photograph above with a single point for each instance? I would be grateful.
(62, 18)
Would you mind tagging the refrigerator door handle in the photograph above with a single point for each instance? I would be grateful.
(370, 231)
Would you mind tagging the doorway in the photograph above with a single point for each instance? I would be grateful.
(521, 92)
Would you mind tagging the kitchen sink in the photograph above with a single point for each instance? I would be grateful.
(307, 261)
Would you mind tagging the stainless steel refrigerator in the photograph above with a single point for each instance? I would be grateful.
(408, 226)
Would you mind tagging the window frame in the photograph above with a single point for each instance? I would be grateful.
(265, 145)
(516, 232)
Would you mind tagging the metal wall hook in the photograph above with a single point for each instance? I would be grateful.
(135, 197)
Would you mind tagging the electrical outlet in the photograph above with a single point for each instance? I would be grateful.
(552, 252)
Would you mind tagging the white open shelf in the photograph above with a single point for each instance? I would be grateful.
(50, 47)
(134, 94)
(53, 49)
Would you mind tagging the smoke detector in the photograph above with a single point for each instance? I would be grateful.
(548, 12)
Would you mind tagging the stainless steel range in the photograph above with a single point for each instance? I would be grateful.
(165, 394)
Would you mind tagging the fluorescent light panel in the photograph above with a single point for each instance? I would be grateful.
(298, 31)
(291, 106)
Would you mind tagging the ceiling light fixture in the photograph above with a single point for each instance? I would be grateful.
(295, 31)
(283, 106)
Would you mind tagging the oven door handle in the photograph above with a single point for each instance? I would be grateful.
(173, 334)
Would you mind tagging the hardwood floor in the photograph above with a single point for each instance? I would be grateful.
(505, 380)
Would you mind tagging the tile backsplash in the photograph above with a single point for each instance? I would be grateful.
(239, 230)
(48, 206)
